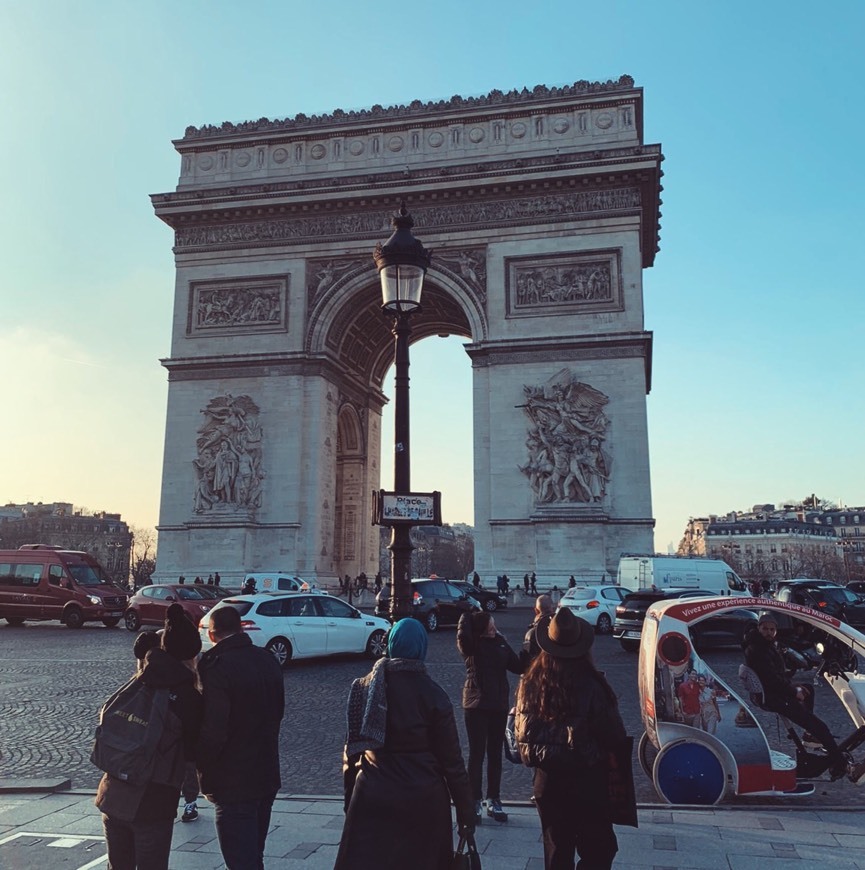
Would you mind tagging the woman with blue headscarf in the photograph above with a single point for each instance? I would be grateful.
(402, 764)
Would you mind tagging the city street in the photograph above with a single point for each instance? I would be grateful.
(53, 680)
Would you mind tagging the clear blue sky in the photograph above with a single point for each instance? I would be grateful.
(755, 299)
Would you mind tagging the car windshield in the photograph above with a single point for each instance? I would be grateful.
(838, 597)
(581, 592)
(190, 594)
(242, 607)
(87, 575)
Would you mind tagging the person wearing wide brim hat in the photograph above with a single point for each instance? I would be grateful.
(564, 635)
(567, 724)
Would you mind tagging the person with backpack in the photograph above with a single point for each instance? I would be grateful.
(147, 731)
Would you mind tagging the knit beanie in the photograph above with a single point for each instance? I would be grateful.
(180, 637)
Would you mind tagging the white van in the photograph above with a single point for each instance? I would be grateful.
(679, 572)
(278, 581)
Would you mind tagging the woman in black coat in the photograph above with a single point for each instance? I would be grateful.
(486, 701)
(402, 765)
(567, 722)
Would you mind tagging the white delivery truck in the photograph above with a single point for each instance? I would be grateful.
(715, 576)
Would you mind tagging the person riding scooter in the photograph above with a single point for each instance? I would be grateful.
(781, 695)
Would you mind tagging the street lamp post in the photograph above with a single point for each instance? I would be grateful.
(402, 262)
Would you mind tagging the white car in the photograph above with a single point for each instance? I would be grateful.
(299, 625)
(595, 604)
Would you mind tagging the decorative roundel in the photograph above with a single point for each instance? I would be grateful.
(674, 648)
(395, 143)
(243, 159)
(687, 772)
(604, 121)
(205, 162)
(476, 135)
(436, 139)
(561, 125)
(356, 148)
(317, 151)
(280, 155)
(518, 130)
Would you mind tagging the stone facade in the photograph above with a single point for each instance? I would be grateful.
(542, 210)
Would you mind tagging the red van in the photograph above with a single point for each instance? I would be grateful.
(38, 582)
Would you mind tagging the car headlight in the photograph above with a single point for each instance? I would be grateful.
(94, 600)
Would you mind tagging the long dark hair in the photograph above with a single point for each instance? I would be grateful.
(552, 685)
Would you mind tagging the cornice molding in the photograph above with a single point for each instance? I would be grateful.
(378, 113)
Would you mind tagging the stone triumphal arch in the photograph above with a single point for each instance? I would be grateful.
(542, 209)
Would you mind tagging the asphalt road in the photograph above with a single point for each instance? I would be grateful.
(54, 679)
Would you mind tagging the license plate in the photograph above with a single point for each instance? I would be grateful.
(113, 614)
(632, 634)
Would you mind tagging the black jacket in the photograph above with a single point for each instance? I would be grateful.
(488, 659)
(398, 798)
(765, 659)
(244, 701)
(146, 803)
(581, 742)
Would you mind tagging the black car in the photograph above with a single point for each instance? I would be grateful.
(729, 627)
(824, 596)
(486, 598)
(434, 603)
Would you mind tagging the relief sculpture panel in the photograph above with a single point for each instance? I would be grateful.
(228, 469)
(247, 305)
(567, 462)
(576, 283)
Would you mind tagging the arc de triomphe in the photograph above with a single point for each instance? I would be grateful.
(542, 207)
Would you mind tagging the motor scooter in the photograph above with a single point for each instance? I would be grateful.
(708, 757)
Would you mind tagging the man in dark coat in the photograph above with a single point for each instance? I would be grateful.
(543, 607)
(780, 695)
(238, 751)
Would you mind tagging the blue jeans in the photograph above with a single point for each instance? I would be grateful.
(242, 827)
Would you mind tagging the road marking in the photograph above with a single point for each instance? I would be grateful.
(61, 841)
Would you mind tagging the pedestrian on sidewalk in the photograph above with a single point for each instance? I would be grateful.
(402, 765)
(533, 584)
(543, 607)
(567, 722)
(138, 818)
(486, 700)
(238, 751)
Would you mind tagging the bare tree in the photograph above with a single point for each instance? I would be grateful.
(143, 562)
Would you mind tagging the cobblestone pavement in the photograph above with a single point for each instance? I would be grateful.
(53, 681)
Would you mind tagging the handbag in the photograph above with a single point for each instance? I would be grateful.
(512, 749)
(623, 798)
(466, 856)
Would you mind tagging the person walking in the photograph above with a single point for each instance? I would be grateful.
(526, 583)
(476, 580)
(402, 765)
(138, 819)
(533, 584)
(543, 607)
(486, 700)
(567, 722)
(238, 750)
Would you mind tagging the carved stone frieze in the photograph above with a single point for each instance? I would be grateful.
(469, 265)
(567, 462)
(323, 276)
(416, 107)
(238, 304)
(585, 282)
(228, 466)
(546, 207)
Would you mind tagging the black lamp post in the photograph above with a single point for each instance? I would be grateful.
(402, 262)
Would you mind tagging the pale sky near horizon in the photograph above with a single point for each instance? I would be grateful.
(755, 299)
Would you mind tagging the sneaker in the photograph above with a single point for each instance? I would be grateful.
(190, 813)
(479, 816)
(856, 772)
(494, 809)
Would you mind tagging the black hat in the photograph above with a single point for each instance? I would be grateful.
(767, 617)
(180, 637)
(564, 635)
(145, 642)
